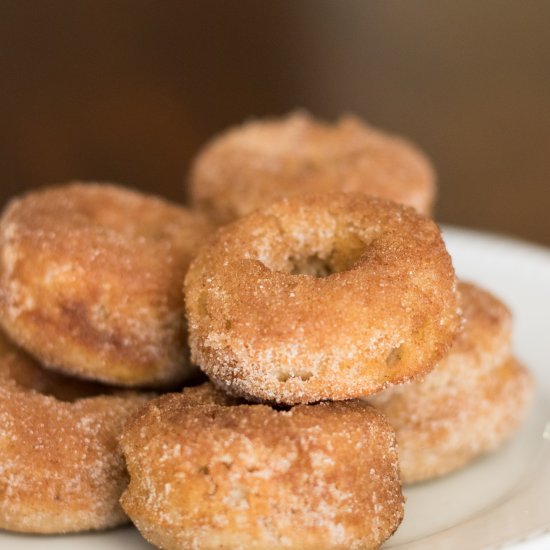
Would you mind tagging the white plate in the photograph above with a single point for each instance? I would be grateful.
(501, 501)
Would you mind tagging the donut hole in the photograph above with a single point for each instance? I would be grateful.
(314, 266)
(342, 255)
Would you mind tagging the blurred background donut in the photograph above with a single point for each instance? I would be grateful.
(129, 91)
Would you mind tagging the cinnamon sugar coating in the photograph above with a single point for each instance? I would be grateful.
(473, 401)
(61, 469)
(250, 166)
(90, 282)
(206, 474)
(321, 297)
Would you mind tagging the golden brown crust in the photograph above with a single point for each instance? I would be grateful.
(469, 404)
(264, 327)
(250, 166)
(208, 476)
(90, 282)
(60, 466)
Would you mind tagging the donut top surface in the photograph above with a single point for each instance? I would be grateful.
(90, 281)
(251, 165)
(321, 285)
(100, 212)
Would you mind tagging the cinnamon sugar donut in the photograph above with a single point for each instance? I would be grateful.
(60, 467)
(321, 297)
(250, 166)
(90, 282)
(207, 472)
(469, 404)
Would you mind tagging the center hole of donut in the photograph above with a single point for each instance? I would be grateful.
(312, 266)
(342, 256)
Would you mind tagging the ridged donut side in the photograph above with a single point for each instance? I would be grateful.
(206, 475)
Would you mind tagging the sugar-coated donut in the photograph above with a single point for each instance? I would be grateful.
(469, 404)
(321, 297)
(61, 469)
(250, 166)
(206, 473)
(90, 282)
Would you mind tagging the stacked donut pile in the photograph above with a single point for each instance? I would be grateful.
(90, 302)
(343, 358)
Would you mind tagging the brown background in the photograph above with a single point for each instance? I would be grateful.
(127, 90)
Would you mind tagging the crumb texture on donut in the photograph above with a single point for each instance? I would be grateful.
(213, 475)
(473, 401)
(90, 282)
(252, 165)
(321, 297)
(61, 469)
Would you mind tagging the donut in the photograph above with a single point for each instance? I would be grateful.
(208, 472)
(320, 297)
(90, 282)
(473, 401)
(250, 166)
(61, 469)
